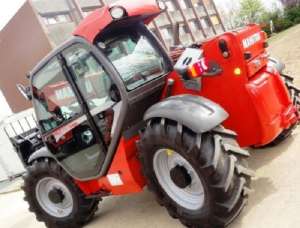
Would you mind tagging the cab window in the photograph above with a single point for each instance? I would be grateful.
(136, 60)
(53, 97)
(93, 82)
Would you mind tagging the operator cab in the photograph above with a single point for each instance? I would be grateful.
(87, 96)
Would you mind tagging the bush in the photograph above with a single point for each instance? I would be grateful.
(293, 14)
(281, 20)
(281, 24)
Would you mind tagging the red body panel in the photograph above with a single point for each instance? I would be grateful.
(257, 99)
(100, 19)
(125, 164)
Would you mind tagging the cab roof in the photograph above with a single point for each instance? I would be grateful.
(100, 19)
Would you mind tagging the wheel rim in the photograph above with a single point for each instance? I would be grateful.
(190, 197)
(46, 187)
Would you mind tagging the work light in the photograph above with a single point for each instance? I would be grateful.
(117, 12)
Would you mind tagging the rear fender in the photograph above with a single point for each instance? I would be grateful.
(279, 66)
(197, 113)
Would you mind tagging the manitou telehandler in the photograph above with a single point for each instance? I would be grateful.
(115, 114)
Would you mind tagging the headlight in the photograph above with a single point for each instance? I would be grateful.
(162, 5)
(117, 12)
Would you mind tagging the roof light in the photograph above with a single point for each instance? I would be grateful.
(117, 12)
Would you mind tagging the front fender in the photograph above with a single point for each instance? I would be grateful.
(195, 112)
(41, 153)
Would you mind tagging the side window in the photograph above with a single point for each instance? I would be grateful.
(90, 76)
(53, 97)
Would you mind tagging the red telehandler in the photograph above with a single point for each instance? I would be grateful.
(115, 114)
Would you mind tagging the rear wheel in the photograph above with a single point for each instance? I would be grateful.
(202, 179)
(54, 198)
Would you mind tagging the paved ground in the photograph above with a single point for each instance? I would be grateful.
(275, 203)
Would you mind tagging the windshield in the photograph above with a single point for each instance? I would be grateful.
(135, 59)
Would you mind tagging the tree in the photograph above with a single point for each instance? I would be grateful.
(251, 11)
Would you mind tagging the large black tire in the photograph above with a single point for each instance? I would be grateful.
(83, 209)
(218, 161)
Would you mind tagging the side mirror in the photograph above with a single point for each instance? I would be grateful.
(114, 93)
(25, 92)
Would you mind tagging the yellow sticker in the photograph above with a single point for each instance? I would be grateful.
(169, 152)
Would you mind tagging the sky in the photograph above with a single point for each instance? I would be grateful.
(9, 8)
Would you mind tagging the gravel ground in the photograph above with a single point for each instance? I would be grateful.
(275, 202)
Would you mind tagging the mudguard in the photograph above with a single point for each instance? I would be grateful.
(195, 112)
(279, 66)
(41, 153)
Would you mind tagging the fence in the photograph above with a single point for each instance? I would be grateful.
(10, 164)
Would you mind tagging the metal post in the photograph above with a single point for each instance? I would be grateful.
(14, 130)
(103, 2)
(21, 126)
(160, 36)
(199, 19)
(169, 18)
(218, 15)
(78, 8)
(207, 13)
(185, 20)
(157, 28)
(75, 10)
(27, 122)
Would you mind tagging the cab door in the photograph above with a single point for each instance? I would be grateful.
(74, 110)
(93, 85)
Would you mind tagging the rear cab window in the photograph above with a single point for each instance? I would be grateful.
(135, 58)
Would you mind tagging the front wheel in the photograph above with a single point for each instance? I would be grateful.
(202, 179)
(54, 198)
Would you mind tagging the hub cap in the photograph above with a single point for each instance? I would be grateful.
(54, 197)
(178, 179)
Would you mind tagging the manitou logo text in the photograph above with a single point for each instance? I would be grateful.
(251, 40)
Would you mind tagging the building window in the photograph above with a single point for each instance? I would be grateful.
(170, 6)
(215, 20)
(50, 20)
(167, 33)
(86, 13)
(205, 23)
(182, 4)
(197, 3)
(183, 29)
(195, 26)
(61, 18)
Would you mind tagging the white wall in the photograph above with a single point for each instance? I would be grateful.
(5, 109)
